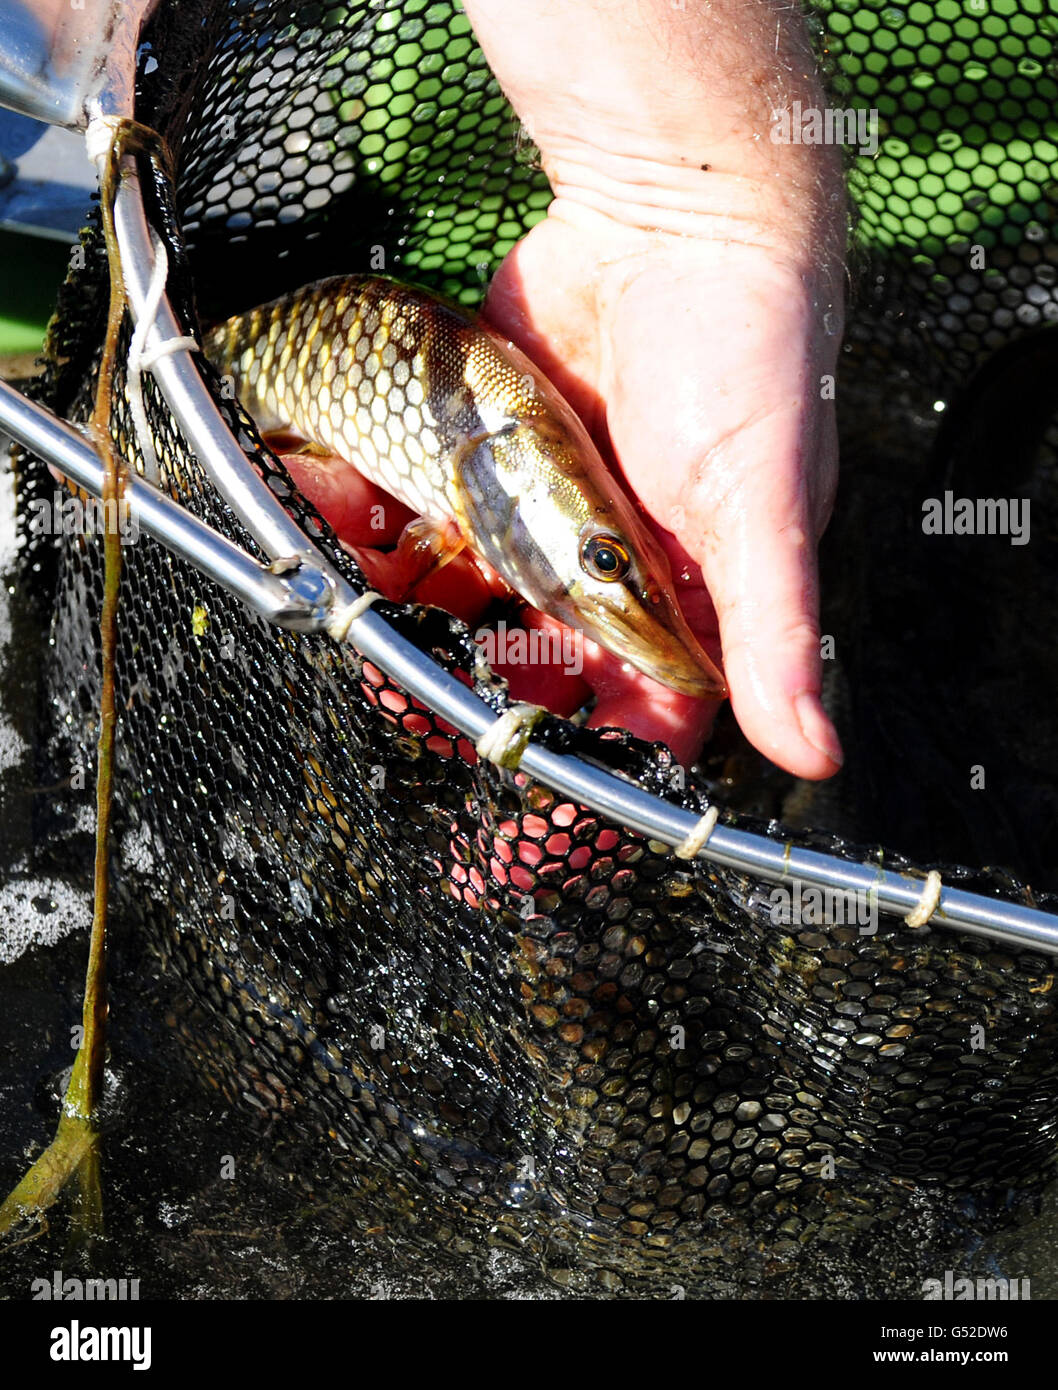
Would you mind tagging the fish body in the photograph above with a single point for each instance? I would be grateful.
(435, 407)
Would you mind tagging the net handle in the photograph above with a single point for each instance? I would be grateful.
(774, 861)
(293, 600)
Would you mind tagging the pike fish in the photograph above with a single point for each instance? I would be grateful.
(447, 416)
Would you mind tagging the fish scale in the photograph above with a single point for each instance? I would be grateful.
(358, 365)
(436, 408)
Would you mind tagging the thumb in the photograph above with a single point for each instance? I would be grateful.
(759, 561)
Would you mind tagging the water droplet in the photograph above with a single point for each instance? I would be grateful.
(299, 897)
(830, 323)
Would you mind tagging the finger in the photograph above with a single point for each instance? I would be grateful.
(656, 714)
(460, 587)
(561, 672)
(629, 700)
(760, 565)
(541, 659)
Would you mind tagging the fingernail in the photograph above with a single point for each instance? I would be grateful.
(817, 728)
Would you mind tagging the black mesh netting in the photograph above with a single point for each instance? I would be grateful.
(524, 1022)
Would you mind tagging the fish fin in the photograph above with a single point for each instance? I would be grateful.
(424, 548)
(284, 440)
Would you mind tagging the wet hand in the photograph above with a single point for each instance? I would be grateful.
(685, 293)
(701, 368)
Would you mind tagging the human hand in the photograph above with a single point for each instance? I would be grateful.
(696, 364)
(690, 310)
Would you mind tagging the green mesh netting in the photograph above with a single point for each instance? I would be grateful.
(641, 1078)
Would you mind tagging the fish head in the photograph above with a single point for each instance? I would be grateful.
(536, 501)
(624, 598)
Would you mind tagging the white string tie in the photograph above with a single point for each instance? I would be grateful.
(141, 358)
(928, 903)
(340, 622)
(99, 137)
(504, 742)
(698, 838)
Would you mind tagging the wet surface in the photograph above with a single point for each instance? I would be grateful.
(239, 1185)
(209, 1199)
(202, 1199)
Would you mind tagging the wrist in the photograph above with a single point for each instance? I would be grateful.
(661, 118)
(796, 214)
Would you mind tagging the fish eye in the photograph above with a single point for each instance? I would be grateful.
(604, 557)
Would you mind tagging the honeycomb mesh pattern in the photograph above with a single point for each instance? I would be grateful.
(524, 1021)
(404, 145)
(966, 95)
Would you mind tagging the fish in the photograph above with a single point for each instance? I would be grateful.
(437, 408)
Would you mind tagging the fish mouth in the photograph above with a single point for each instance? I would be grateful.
(659, 644)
